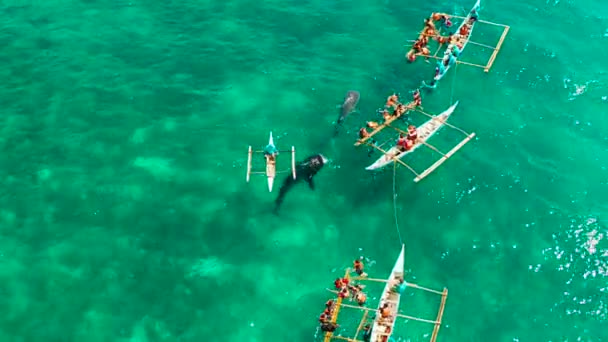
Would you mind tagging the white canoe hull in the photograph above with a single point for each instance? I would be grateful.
(271, 167)
(425, 131)
(449, 48)
(381, 327)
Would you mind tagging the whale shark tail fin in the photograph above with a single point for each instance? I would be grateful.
(287, 185)
(311, 183)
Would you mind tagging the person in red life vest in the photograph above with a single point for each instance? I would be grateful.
(404, 144)
(345, 281)
(363, 133)
(338, 284)
(417, 98)
(464, 30)
(412, 133)
(323, 318)
(392, 100)
(358, 265)
(329, 304)
(344, 293)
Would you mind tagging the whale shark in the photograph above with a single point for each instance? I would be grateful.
(348, 106)
(305, 171)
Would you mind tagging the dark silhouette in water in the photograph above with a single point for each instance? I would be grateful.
(305, 171)
(350, 102)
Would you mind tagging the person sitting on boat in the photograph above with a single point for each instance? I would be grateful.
(425, 52)
(323, 318)
(464, 30)
(339, 284)
(270, 152)
(358, 265)
(363, 133)
(451, 59)
(385, 312)
(400, 286)
(417, 98)
(442, 17)
(386, 115)
(398, 111)
(474, 15)
(361, 298)
(329, 327)
(412, 134)
(456, 51)
(429, 27)
(445, 39)
(371, 124)
(392, 100)
(344, 293)
(367, 333)
(403, 144)
(329, 305)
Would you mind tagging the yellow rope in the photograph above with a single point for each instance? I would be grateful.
(395, 201)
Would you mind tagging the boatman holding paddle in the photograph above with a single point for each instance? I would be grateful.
(270, 152)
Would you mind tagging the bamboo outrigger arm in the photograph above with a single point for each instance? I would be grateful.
(443, 159)
(496, 49)
(408, 107)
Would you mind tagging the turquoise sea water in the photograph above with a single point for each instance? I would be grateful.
(125, 215)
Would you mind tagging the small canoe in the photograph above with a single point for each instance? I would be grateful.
(448, 50)
(425, 131)
(271, 166)
(383, 328)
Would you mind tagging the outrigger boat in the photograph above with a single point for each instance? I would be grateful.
(270, 153)
(384, 326)
(456, 44)
(424, 132)
(378, 329)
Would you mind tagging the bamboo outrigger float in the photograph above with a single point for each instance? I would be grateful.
(424, 132)
(380, 327)
(270, 154)
(455, 43)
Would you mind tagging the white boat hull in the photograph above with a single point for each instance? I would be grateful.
(385, 326)
(425, 131)
(449, 48)
(271, 167)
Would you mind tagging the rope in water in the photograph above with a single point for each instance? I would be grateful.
(453, 83)
(395, 201)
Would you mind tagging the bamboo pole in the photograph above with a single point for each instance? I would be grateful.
(498, 46)
(397, 160)
(408, 107)
(408, 284)
(249, 156)
(457, 61)
(482, 45)
(396, 315)
(444, 297)
(346, 339)
(363, 320)
(443, 159)
(479, 21)
(334, 316)
(443, 122)
(423, 288)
